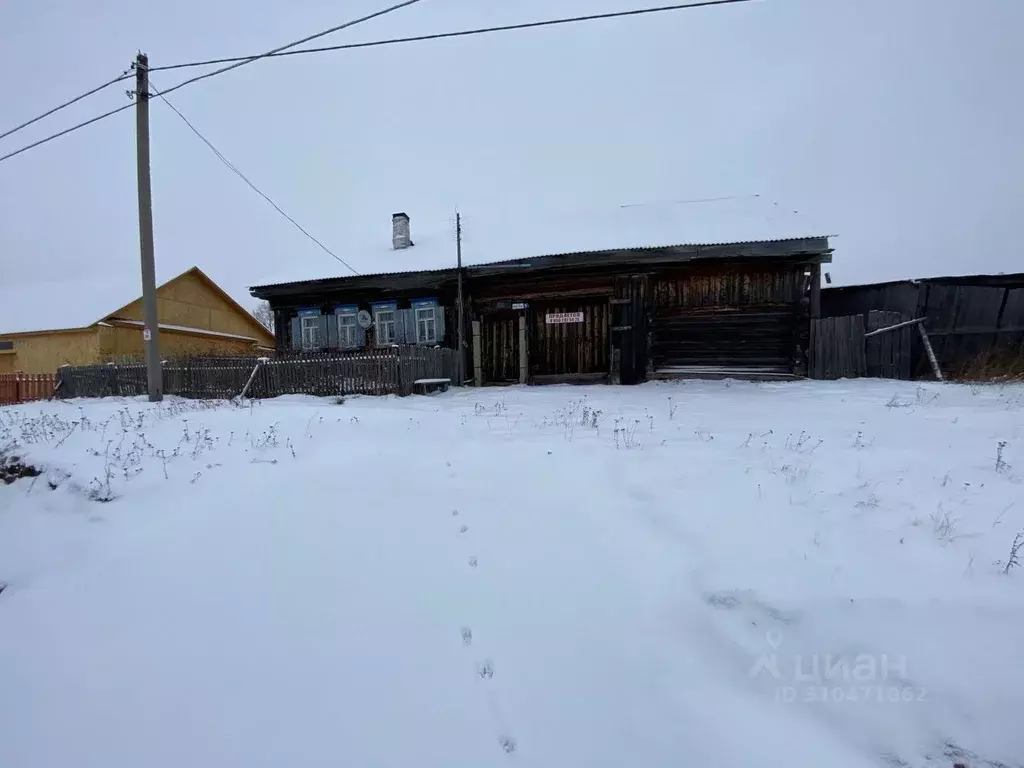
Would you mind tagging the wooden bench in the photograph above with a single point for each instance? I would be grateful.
(423, 386)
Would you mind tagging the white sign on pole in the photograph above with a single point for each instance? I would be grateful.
(147, 335)
(554, 318)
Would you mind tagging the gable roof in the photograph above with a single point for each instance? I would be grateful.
(60, 304)
(495, 236)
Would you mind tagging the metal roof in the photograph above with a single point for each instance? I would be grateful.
(530, 260)
(494, 237)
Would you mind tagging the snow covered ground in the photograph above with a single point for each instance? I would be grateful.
(690, 574)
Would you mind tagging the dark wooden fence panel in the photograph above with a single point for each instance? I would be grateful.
(837, 348)
(390, 370)
(889, 355)
(975, 323)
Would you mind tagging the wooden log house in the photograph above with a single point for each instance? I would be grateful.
(619, 315)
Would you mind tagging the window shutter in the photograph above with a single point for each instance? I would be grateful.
(439, 319)
(325, 329)
(296, 333)
(332, 330)
(408, 326)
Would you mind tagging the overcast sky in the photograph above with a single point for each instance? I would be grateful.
(896, 125)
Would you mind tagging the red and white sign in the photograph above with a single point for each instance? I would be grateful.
(555, 318)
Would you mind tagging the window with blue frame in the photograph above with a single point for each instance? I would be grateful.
(348, 327)
(384, 317)
(427, 321)
(310, 329)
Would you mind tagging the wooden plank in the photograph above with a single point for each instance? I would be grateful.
(859, 367)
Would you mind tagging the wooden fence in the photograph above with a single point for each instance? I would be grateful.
(837, 348)
(390, 370)
(889, 355)
(841, 348)
(22, 387)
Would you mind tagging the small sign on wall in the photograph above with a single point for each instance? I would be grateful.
(519, 305)
(147, 335)
(555, 318)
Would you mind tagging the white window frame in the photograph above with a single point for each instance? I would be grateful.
(348, 332)
(310, 325)
(426, 324)
(380, 325)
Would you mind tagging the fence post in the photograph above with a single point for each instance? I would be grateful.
(252, 376)
(478, 378)
(522, 350)
(930, 352)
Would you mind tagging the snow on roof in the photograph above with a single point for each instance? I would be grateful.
(63, 303)
(494, 236)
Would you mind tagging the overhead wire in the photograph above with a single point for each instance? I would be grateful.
(97, 89)
(65, 132)
(238, 61)
(248, 60)
(458, 33)
(234, 169)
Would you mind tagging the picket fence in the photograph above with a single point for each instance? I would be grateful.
(23, 387)
(390, 370)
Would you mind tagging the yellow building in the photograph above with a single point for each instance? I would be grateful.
(41, 331)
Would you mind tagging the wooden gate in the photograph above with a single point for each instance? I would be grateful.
(499, 340)
(629, 329)
(889, 354)
(569, 341)
(837, 348)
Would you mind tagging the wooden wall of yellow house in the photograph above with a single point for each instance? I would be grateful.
(191, 302)
(46, 352)
(120, 343)
(6, 363)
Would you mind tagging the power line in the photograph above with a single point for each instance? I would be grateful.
(231, 166)
(97, 89)
(65, 132)
(249, 59)
(460, 33)
(282, 51)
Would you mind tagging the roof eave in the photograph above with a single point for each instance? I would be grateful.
(814, 249)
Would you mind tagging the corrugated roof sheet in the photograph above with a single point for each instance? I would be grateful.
(495, 237)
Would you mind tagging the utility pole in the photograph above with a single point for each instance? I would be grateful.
(151, 327)
(458, 251)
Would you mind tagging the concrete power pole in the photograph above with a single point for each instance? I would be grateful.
(151, 329)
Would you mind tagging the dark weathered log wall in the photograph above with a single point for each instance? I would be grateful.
(736, 317)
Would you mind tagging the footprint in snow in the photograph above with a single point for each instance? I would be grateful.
(508, 744)
(486, 669)
(463, 529)
(467, 636)
(472, 562)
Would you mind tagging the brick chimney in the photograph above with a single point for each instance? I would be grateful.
(400, 235)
